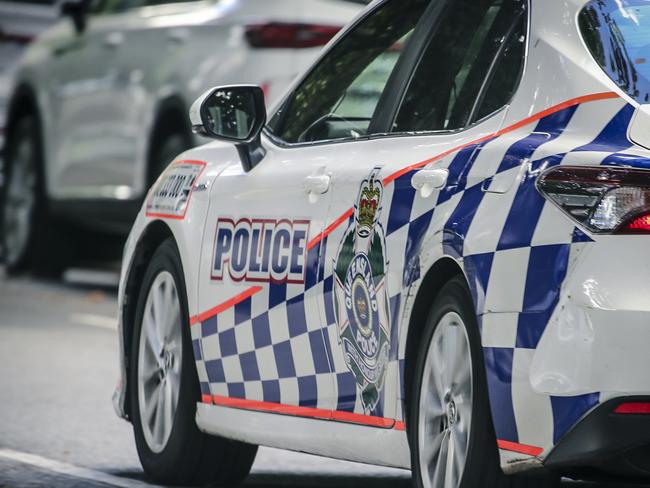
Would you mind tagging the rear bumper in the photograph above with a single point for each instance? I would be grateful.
(598, 337)
(605, 443)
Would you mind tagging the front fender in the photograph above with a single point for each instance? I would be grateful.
(185, 224)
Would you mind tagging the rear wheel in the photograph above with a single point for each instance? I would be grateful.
(165, 388)
(31, 238)
(451, 433)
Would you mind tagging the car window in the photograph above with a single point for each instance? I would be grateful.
(617, 32)
(338, 98)
(505, 74)
(449, 77)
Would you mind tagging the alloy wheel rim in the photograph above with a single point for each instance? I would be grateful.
(159, 361)
(20, 202)
(445, 405)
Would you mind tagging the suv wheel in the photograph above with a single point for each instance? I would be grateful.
(30, 237)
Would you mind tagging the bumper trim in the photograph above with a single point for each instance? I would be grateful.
(604, 438)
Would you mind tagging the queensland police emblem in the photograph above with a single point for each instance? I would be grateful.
(361, 298)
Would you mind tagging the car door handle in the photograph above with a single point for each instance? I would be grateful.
(429, 180)
(318, 184)
(114, 40)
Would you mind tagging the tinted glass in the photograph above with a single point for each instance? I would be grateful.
(617, 33)
(338, 98)
(505, 74)
(454, 67)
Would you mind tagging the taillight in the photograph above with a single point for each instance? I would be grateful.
(633, 408)
(289, 35)
(605, 200)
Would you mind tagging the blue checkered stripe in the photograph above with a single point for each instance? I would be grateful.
(516, 249)
(281, 346)
(270, 346)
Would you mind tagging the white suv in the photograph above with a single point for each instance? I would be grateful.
(100, 102)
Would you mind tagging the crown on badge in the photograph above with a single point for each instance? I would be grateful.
(369, 204)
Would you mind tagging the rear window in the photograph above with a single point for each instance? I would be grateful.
(617, 33)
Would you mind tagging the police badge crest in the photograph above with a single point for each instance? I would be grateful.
(360, 295)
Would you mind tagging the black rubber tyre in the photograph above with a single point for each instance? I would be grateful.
(482, 466)
(189, 457)
(47, 244)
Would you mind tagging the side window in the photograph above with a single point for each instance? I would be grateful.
(505, 74)
(454, 68)
(338, 98)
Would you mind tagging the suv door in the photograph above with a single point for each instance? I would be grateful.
(84, 76)
(436, 115)
(103, 109)
(261, 280)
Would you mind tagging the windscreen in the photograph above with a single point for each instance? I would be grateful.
(617, 33)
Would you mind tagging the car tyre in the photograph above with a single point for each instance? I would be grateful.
(165, 388)
(31, 237)
(453, 444)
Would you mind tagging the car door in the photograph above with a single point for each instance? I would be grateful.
(261, 285)
(380, 213)
(89, 154)
(260, 331)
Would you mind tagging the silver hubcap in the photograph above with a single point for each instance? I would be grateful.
(159, 361)
(445, 405)
(20, 202)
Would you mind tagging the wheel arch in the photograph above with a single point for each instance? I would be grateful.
(170, 114)
(153, 236)
(439, 274)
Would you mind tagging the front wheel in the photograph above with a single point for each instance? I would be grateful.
(164, 388)
(452, 438)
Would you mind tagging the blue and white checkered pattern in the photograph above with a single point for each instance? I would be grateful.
(230, 347)
(516, 249)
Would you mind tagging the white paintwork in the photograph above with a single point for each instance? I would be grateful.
(640, 127)
(597, 339)
(335, 439)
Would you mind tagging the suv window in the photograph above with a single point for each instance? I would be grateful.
(455, 66)
(338, 98)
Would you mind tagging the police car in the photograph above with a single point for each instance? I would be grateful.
(432, 256)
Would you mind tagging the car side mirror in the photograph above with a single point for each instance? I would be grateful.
(77, 10)
(236, 114)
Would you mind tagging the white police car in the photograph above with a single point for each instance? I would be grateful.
(433, 256)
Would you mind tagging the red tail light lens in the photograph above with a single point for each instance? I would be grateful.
(639, 224)
(633, 408)
(289, 35)
(604, 200)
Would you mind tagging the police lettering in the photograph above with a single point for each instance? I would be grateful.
(261, 250)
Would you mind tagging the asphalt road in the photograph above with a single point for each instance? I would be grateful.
(58, 366)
